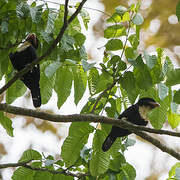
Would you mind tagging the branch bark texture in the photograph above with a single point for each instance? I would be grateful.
(94, 118)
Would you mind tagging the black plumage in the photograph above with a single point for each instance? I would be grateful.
(25, 54)
(136, 114)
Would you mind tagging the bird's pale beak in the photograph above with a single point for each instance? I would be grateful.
(154, 104)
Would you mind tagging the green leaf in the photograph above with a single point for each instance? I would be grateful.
(67, 43)
(77, 138)
(173, 119)
(29, 155)
(168, 66)
(93, 78)
(4, 27)
(46, 84)
(16, 90)
(50, 22)
(114, 45)
(39, 175)
(6, 123)
(172, 172)
(63, 84)
(130, 53)
(173, 77)
(104, 80)
(163, 91)
(86, 65)
(159, 115)
(117, 162)
(134, 41)
(121, 9)
(100, 161)
(142, 74)
(177, 175)
(114, 31)
(138, 19)
(128, 83)
(23, 174)
(4, 62)
(80, 81)
(178, 10)
(51, 69)
(35, 13)
(85, 17)
(129, 171)
(79, 39)
(176, 97)
(115, 18)
(126, 17)
(150, 60)
(22, 10)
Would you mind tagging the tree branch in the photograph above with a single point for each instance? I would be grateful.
(25, 164)
(50, 49)
(94, 118)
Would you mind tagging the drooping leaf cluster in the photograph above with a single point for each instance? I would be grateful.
(123, 76)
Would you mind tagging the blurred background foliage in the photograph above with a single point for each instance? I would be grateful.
(159, 17)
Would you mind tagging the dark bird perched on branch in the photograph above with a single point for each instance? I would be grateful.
(25, 54)
(136, 114)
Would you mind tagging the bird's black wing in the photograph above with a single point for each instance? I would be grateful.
(133, 116)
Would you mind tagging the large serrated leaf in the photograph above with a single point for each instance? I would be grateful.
(142, 74)
(39, 175)
(29, 155)
(173, 77)
(138, 19)
(173, 119)
(22, 174)
(77, 138)
(93, 78)
(6, 123)
(100, 161)
(46, 84)
(3, 63)
(114, 45)
(63, 84)
(162, 90)
(51, 69)
(176, 97)
(128, 82)
(50, 22)
(129, 171)
(35, 14)
(114, 31)
(16, 90)
(158, 115)
(80, 81)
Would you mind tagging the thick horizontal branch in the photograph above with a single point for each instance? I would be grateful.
(94, 118)
(81, 118)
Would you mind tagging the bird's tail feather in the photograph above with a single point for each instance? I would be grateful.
(108, 142)
(36, 97)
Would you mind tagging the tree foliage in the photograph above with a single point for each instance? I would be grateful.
(123, 75)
